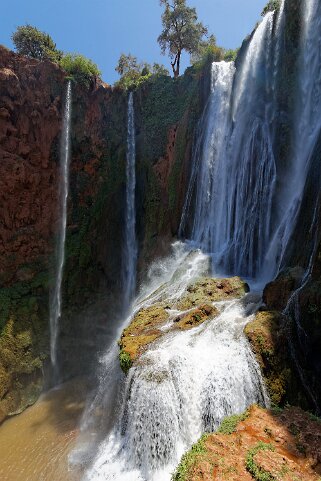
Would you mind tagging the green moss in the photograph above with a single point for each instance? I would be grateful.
(256, 471)
(229, 424)
(125, 361)
(189, 459)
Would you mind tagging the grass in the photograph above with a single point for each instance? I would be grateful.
(189, 459)
(258, 473)
(229, 424)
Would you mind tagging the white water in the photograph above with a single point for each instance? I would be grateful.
(56, 300)
(234, 168)
(129, 256)
(186, 383)
(307, 125)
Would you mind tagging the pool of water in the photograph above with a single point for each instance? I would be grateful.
(34, 445)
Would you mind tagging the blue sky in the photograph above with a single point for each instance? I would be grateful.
(103, 29)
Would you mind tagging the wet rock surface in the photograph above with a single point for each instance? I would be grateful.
(195, 306)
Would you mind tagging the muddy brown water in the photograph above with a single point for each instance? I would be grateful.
(34, 445)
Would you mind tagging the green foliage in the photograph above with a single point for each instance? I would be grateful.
(258, 473)
(33, 43)
(271, 6)
(189, 459)
(134, 73)
(229, 424)
(181, 31)
(207, 51)
(80, 68)
(230, 55)
(125, 361)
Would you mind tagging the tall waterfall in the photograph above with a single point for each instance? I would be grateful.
(307, 126)
(56, 300)
(129, 256)
(239, 218)
(234, 168)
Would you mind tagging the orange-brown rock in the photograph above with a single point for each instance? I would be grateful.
(285, 446)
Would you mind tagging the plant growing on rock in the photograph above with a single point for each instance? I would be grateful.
(271, 5)
(181, 31)
(133, 73)
(80, 69)
(33, 43)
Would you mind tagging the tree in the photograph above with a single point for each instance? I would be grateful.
(271, 5)
(207, 49)
(127, 64)
(181, 31)
(80, 68)
(133, 72)
(159, 70)
(33, 43)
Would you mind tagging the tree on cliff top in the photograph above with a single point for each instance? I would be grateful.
(133, 73)
(33, 43)
(181, 31)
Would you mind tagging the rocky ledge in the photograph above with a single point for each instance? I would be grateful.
(195, 306)
(260, 444)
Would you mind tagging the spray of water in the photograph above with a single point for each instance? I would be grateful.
(184, 384)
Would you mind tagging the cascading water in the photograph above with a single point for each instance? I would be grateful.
(129, 255)
(188, 381)
(183, 385)
(234, 167)
(56, 300)
(307, 125)
(307, 132)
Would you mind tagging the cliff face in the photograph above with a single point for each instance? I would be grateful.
(31, 110)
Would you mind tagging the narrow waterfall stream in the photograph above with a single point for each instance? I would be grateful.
(129, 257)
(56, 300)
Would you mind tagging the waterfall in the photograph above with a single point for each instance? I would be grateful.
(183, 385)
(129, 255)
(55, 304)
(307, 125)
(307, 131)
(238, 220)
(234, 169)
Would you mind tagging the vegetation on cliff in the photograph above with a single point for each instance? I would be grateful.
(33, 43)
(265, 445)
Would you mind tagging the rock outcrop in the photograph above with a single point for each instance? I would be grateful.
(195, 306)
(261, 445)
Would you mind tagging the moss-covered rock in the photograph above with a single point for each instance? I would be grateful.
(195, 307)
(212, 290)
(268, 336)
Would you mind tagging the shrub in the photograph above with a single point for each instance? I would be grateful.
(230, 55)
(33, 43)
(80, 68)
(125, 361)
(272, 5)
